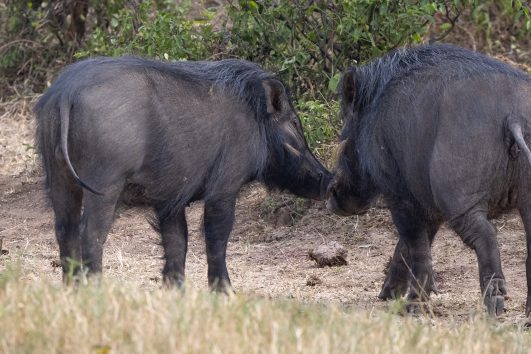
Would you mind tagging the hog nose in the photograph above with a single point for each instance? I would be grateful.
(330, 188)
(324, 181)
(331, 204)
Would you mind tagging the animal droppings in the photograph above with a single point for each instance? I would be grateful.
(330, 254)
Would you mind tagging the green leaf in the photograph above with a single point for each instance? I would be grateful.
(416, 37)
(333, 82)
(445, 26)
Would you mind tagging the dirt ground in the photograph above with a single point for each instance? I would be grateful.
(265, 257)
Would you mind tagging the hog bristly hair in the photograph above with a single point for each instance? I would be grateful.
(376, 78)
(237, 78)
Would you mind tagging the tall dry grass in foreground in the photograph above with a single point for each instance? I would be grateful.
(111, 317)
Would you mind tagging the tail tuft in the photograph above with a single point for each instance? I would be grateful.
(516, 131)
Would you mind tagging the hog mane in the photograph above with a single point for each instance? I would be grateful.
(447, 63)
(239, 78)
(373, 79)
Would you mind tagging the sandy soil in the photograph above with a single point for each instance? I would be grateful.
(265, 258)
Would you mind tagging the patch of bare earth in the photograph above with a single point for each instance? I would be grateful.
(264, 258)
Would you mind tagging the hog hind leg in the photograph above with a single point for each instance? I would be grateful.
(479, 234)
(416, 235)
(96, 221)
(174, 234)
(218, 222)
(525, 212)
(66, 198)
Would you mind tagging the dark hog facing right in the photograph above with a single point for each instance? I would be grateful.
(441, 133)
(178, 132)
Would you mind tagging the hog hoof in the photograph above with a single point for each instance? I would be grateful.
(222, 287)
(176, 282)
(418, 307)
(392, 291)
(418, 304)
(494, 297)
(73, 280)
(415, 308)
(495, 304)
(228, 291)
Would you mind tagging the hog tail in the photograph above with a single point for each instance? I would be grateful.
(64, 111)
(516, 131)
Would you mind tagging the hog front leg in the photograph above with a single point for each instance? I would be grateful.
(218, 222)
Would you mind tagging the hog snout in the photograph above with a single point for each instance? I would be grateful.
(325, 178)
(344, 206)
(331, 203)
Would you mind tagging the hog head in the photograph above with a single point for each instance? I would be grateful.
(291, 165)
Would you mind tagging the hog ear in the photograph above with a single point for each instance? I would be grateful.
(274, 94)
(348, 86)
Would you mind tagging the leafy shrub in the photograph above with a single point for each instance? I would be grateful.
(320, 119)
(308, 43)
(505, 26)
(39, 37)
(165, 31)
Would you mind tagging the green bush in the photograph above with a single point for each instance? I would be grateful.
(38, 37)
(308, 43)
(165, 31)
(320, 119)
(505, 25)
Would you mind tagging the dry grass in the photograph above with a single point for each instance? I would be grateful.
(115, 317)
(128, 313)
(17, 146)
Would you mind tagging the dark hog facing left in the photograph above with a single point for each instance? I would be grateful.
(441, 133)
(179, 132)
